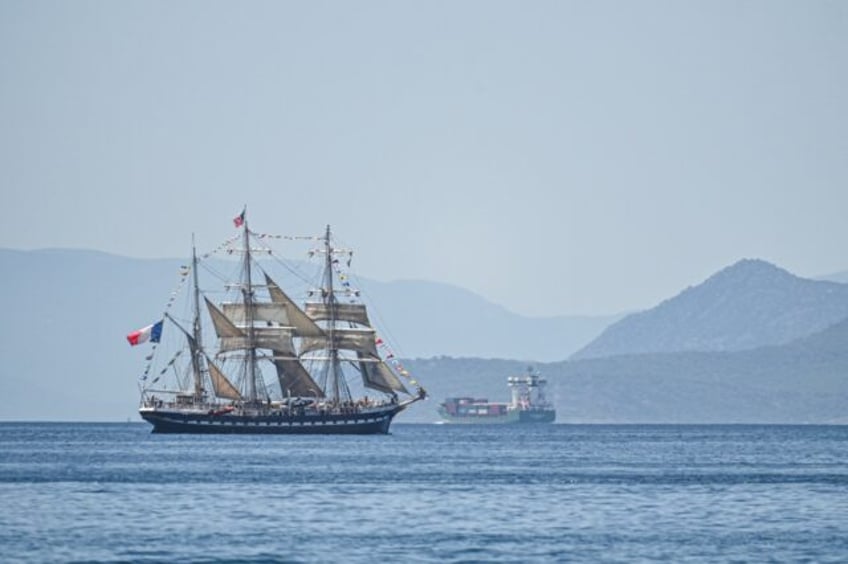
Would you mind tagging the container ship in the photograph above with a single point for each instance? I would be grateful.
(528, 405)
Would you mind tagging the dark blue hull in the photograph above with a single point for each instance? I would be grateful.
(372, 423)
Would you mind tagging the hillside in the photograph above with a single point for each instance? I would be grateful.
(744, 306)
(805, 381)
(432, 319)
(800, 382)
(835, 277)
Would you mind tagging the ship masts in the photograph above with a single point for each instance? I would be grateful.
(247, 291)
(334, 365)
(197, 357)
(330, 299)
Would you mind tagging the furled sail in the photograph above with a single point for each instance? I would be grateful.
(222, 386)
(234, 337)
(261, 312)
(277, 338)
(294, 379)
(304, 326)
(360, 340)
(355, 313)
(378, 376)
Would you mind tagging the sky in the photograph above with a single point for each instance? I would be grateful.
(562, 157)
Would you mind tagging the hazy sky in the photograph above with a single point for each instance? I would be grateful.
(555, 157)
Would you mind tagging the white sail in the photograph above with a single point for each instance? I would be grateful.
(304, 326)
(224, 328)
(235, 335)
(222, 386)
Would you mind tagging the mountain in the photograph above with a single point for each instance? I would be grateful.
(747, 305)
(66, 313)
(841, 277)
(800, 382)
(432, 319)
(62, 332)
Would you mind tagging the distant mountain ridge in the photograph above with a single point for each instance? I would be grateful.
(432, 318)
(841, 277)
(799, 382)
(749, 304)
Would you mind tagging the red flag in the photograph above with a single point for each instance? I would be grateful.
(239, 219)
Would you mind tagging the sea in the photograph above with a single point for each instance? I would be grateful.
(86, 492)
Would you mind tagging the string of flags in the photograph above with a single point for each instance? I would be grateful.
(170, 363)
(238, 221)
(156, 330)
(224, 245)
(387, 352)
(390, 357)
(286, 237)
(343, 278)
(153, 333)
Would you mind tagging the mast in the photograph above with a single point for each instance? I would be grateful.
(247, 292)
(197, 353)
(331, 327)
(354, 335)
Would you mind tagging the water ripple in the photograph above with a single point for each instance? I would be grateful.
(115, 493)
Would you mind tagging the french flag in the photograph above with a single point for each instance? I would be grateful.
(150, 333)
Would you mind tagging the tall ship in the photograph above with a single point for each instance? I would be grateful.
(274, 366)
(529, 404)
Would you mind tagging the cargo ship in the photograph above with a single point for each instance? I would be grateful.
(528, 405)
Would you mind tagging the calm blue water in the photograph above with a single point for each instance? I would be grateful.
(114, 492)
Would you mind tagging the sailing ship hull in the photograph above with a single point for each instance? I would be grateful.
(174, 421)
